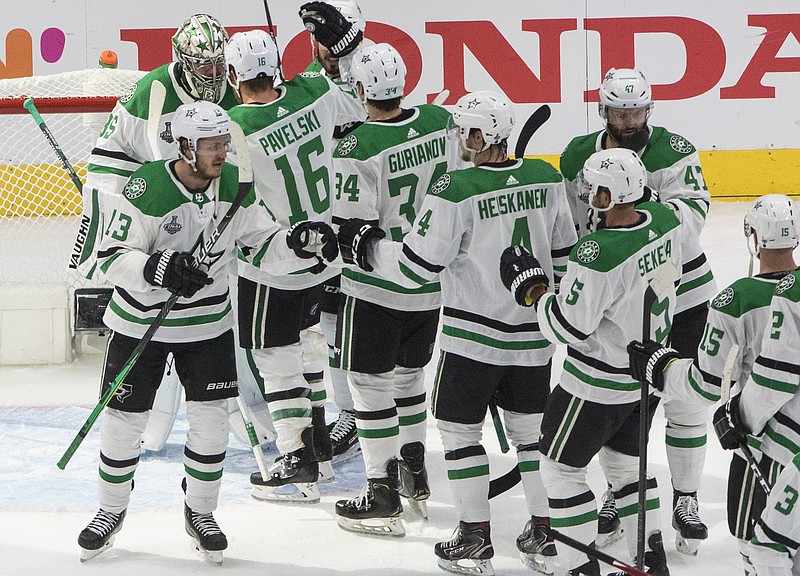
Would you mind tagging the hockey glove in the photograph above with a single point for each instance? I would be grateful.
(330, 28)
(522, 275)
(178, 272)
(355, 237)
(728, 425)
(648, 360)
(313, 239)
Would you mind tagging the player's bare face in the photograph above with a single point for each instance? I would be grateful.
(211, 154)
(328, 62)
(626, 126)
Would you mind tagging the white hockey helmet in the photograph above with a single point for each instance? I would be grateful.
(250, 54)
(196, 121)
(487, 111)
(199, 46)
(624, 88)
(618, 169)
(775, 220)
(380, 70)
(351, 12)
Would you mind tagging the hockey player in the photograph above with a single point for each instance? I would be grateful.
(595, 407)
(386, 333)
(674, 174)
(488, 349)
(165, 211)
(344, 439)
(738, 317)
(288, 133)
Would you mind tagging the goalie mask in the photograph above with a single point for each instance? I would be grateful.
(486, 111)
(617, 169)
(249, 55)
(196, 121)
(773, 222)
(380, 71)
(199, 46)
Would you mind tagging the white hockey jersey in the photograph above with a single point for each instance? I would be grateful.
(770, 404)
(291, 150)
(599, 309)
(124, 145)
(673, 170)
(466, 221)
(383, 170)
(156, 212)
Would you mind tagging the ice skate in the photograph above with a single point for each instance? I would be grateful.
(414, 478)
(207, 538)
(537, 549)
(469, 551)
(99, 535)
(293, 480)
(655, 558)
(376, 511)
(609, 528)
(322, 446)
(590, 568)
(689, 530)
(344, 437)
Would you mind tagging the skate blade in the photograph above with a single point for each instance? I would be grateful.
(374, 526)
(418, 508)
(351, 453)
(467, 566)
(87, 555)
(687, 546)
(539, 563)
(211, 556)
(326, 473)
(603, 540)
(300, 493)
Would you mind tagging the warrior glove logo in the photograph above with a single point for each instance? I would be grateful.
(588, 251)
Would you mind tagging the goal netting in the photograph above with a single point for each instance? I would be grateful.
(39, 205)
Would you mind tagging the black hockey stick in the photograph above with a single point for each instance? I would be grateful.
(245, 183)
(665, 277)
(593, 552)
(512, 477)
(532, 124)
(274, 39)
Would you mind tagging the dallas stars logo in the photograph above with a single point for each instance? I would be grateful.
(723, 298)
(680, 144)
(441, 184)
(135, 188)
(609, 75)
(347, 145)
(606, 164)
(366, 58)
(588, 251)
(785, 284)
(191, 112)
(472, 104)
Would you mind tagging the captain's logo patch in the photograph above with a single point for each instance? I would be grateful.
(588, 251)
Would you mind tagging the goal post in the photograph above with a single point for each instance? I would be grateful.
(40, 207)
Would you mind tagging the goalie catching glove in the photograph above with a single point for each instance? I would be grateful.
(728, 425)
(522, 275)
(313, 240)
(178, 272)
(648, 360)
(355, 237)
(330, 28)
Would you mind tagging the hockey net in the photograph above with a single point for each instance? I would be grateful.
(40, 206)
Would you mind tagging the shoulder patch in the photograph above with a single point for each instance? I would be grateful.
(786, 283)
(126, 97)
(723, 298)
(680, 144)
(347, 145)
(310, 74)
(135, 188)
(441, 184)
(588, 251)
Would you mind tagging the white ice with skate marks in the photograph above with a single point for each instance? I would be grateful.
(42, 509)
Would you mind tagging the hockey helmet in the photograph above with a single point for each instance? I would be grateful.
(624, 88)
(487, 111)
(249, 55)
(380, 70)
(774, 219)
(199, 46)
(351, 12)
(620, 171)
(196, 121)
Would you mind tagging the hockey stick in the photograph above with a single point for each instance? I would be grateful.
(29, 105)
(158, 95)
(245, 183)
(665, 277)
(512, 477)
(272, 35)
(498, 427)
(727, 370)
(441, 97)
(254, 442)
(532, 124)
(593, 552)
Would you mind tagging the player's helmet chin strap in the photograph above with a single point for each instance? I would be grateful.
(754, 252)
(185, 158)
